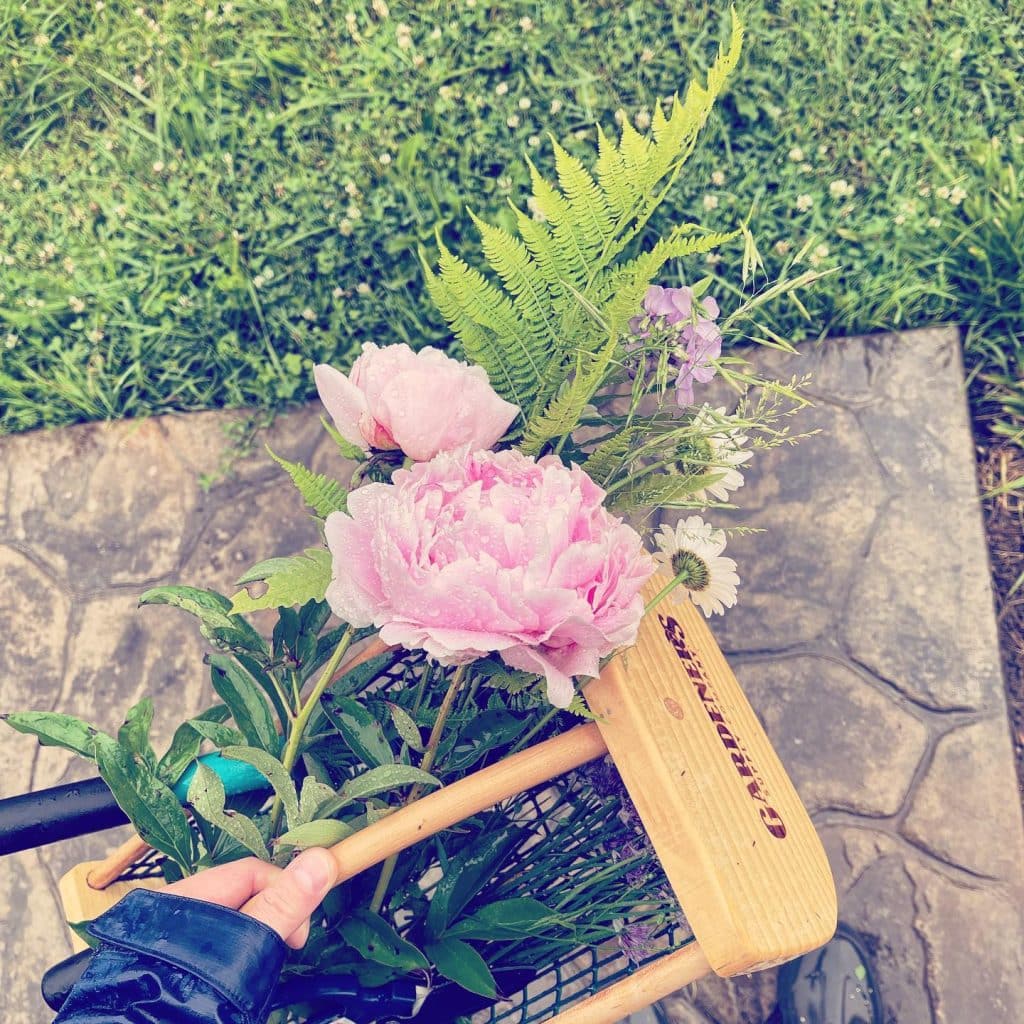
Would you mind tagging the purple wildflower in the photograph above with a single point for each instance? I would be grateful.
(697, 339)
(635, 941)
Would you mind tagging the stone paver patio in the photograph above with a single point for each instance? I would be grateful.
(864, 636)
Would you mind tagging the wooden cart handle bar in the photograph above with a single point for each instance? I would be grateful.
(470, 795)
(643, 987)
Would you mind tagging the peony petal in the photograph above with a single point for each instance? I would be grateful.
(344, 402)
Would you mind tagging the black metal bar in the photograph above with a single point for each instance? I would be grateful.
(51, 815)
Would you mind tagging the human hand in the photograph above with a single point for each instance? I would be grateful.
(282, 898)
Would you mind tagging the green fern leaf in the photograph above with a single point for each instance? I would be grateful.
(608, 457)
(321, 493)
(661, 491)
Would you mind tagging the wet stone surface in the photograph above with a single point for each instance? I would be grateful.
(864, 636)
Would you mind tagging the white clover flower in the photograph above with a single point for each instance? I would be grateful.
(385, 158)
(533, 141)
(710, 202)
(308, 314)
(525, 103)
(718, 178)
(957, 195)
(819, 255)
(513, 121)
(782, 246)
(363, 288)
(796, 154)
(501, 88)
(693, 551)
(556, 106)
(646, 56)
(643, 120)
(804, 202)
(158, 166)
(934, 222)
(526, 24)
(96, 335)
(345, 227)
(11, 340)
(942, 192)
(76, 304)
(712, 259)
(840, 188)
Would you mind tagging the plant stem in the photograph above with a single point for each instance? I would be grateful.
(388, 867)
(666, 590)
(301, 720)
(536, 729)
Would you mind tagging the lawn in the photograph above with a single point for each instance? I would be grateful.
(198, 201)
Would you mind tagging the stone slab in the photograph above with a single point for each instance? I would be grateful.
(864, 635)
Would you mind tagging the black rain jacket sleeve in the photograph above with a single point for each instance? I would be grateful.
(167, 959)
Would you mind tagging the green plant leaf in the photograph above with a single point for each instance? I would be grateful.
(506, 919)
(216, 622)
(320, 492)
(374, 939)
(463, 877)
(326, 832)
(406, 727)
(276, 774)
(134, 734)
(149, 804)
(374, 782)
(218, 734)
(458, 961)
(246, 702)
(185, 745)
(359, 729)
(53, 729)
(290, 581)
(207, 797)
(313, 796)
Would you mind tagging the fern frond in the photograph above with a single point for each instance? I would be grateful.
(661, 491)
(321, 493)
(561, 415)
(586, 202)
(607, 458)
(626, 286)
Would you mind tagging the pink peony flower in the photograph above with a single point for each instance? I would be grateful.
(421, 402)
(482, 551)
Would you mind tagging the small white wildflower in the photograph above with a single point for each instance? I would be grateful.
(158, 166)
(840, 188)
(819, 255)
(345, 226)
(806, 168)
(804, 202)
(526, 24)
(268, 273)
(363, 288)
(11, 340)
(227, 158)
(692, 553)
(337, 291)
(925, 191)
(121, 211)
(381, 9)
(513, 121)
(619, 115)
(534, 208)
(556, 106)
(525, 103)
(41, 39)
(796, 154)
(99, 5)
(435, 32)
(96, 335)
(138, 81)
(501, 88)
(209, 15)
(385, 158)
(403, 35)
(957, 195)
(259, 281)
(712, 259)
(354, 212)
(934, 222)
(942, 192)
(445, 92)
(782, 246)
(710, 202)
(646, 55)
(642, 119)
(899, 219)
(76, 304)
(418, 60)
(69, 265)
(718, 178)
(308, 314)
(533, 141)
(351, 188)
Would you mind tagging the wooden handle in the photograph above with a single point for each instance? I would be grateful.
(641, 988)
(470, 795)
(115, 864)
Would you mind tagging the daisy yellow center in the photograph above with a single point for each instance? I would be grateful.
(691, 569)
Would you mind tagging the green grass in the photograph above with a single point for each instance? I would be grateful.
(199, 202)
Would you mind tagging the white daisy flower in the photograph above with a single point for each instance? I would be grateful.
(692, 553)
(725, 452)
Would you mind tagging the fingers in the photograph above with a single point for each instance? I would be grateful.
(291, 896)
(228, 885)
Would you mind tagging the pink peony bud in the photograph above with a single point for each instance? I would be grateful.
(421, 402)
(475, 552)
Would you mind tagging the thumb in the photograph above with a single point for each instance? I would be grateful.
(286, 903)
